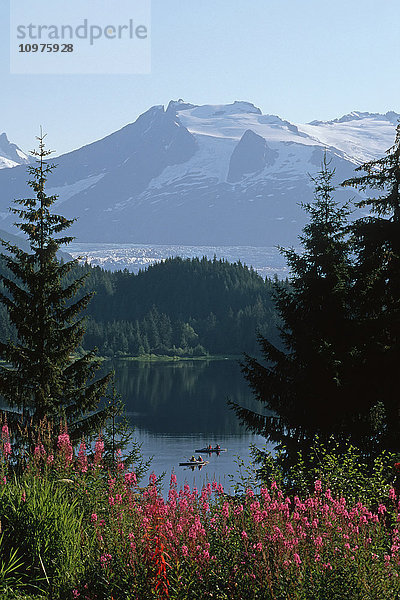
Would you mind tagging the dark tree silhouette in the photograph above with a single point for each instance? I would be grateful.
(43, 377)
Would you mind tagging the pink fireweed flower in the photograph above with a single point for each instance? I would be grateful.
(5, 434)
(64, 446)
(98, 450)
(7, 449)
(274, 485)
(185, 550)
(130, 479)
(381, 509)
(318, 486)
(296, 559)
(93, 518)
(265, 495)
(23, 497)
(249, 493)
(244, 535)
(318, 541)
(105, 559)
(39, 451)
(75, 593)
(50, 459)
(225, 510)
(392, 494)
(289, 528)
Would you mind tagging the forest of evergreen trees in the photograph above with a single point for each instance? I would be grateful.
(190, 307)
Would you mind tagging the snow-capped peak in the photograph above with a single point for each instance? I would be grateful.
(189, 174)
(362, 136)
(10, 154)
(220, 110)
(357, 115)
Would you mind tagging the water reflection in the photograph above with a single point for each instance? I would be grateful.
(178, 407)
(184, 397)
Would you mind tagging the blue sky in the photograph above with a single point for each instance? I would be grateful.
(302, 60)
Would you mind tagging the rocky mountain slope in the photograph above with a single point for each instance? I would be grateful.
(211, 174)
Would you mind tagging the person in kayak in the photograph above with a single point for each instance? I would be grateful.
(193, 459)
(199, 459)
(218, 447)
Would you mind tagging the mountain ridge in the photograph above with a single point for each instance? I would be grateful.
(203, 174)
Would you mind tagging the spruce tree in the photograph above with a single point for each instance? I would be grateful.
(377, 289)
(304, 384)
(43, 376)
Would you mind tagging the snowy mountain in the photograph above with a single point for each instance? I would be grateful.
(10, 154)
(203, 175)
(361, 136)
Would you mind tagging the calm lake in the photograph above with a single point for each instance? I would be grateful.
(178, 407)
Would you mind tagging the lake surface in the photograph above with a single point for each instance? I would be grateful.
(178, 407)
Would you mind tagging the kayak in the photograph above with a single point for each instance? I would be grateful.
(209, 450)
(193, 463)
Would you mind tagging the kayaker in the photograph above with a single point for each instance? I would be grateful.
(199, 459)
(218, 447)
(209, 447)
(193, 459)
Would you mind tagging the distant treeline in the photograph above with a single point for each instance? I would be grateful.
(178, 307)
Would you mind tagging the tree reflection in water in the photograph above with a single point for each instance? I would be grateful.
(185, 397)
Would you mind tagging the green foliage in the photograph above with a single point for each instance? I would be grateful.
(337, 373)
(184, 308)
(179, 307)
(120, 445)
(340, 467)
(41, 519)
(10, 567)
(308, 384)
(109, 538)
(42, 375)
(376, 297)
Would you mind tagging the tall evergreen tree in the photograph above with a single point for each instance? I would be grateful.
(305, 383)
(377, 289)
(43, 375)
